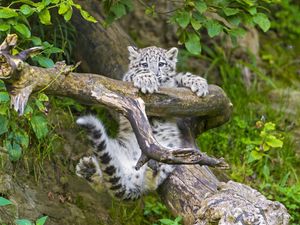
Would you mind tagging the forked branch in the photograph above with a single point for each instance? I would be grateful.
(24, 79)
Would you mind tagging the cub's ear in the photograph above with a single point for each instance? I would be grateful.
(172, 54)
(133, 52)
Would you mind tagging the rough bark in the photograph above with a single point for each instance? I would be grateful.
(192, 191)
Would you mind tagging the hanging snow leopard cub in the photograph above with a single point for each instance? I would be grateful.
(149, 69)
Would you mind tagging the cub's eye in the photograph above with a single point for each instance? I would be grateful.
(144, 65)
(161, 64)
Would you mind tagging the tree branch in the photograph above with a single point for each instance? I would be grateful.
(120, 96)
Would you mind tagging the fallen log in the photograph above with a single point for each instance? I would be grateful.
(191, 191)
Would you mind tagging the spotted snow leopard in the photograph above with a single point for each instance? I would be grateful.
(149, 69)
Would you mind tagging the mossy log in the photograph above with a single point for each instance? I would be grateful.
(191, 191)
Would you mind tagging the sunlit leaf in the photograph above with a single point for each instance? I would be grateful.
(63, 8)
(6, 13)
(23, 30)
(68, 14)
(269, 126)
(45, 17)
(87, 16)
(4, 27)
(274, 142)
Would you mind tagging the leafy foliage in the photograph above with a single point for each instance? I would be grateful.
(19, 16)
(194, 16)
(19, 134)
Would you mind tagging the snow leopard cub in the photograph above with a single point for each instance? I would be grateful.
(149, 69)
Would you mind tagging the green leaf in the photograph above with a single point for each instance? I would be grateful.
(40, 105)
(196, 24)
(213, 28)
(269, 126)
(23, 30)
(46, 2)
(87, 16)
(26, 10)
(183, 19)
(255, 155)
(128, 3)
(2, 86)
(262, 21)
(42, 220)
(230, 11)
(15, 152)
(45, 17)
(252, 10)
(4, 27)
(237, 32)
(40, 126)
(23, 222)
(193, 44)
(200, 6)
(36, 40)
(4, 201)
(53, 50)
(4, 97)
(43, 97)
(235, 20)
(119, 10)
(6, 13)
(22, 139)
(3, 125)
(63, 8)
(68, 14)
(266, 171)
(44, 61)
(274, 142)
(166, 221)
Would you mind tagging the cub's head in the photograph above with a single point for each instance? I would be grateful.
(160, 61)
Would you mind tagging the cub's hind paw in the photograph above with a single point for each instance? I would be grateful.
(88, 168)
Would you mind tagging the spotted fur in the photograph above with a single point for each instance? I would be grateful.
(149, 69)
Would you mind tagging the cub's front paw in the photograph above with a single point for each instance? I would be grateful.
(199, 86)
(146, 82)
